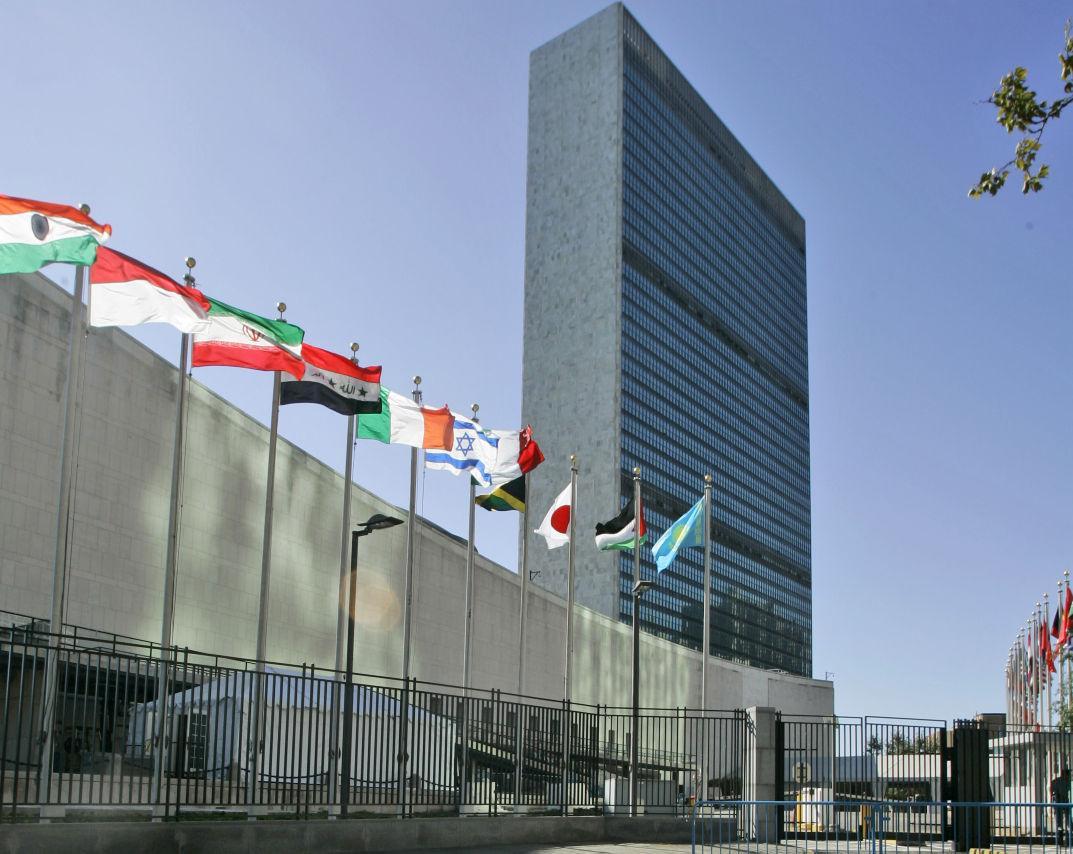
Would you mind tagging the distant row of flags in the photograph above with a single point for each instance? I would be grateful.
(1039, 658)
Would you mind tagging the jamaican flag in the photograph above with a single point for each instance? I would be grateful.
(509, 496)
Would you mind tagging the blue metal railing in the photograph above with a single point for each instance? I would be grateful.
(870, 825)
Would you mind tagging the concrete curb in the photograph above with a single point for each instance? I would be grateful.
(355, 835)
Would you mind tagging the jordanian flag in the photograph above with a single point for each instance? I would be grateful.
(510, 496)
(619, 533)
(241, 339)
(403, 422)
(333, 381)
(125, 292)
(33, 234)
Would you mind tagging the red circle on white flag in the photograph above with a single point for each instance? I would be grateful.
(560, 519)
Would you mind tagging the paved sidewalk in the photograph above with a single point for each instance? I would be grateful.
(592, 848)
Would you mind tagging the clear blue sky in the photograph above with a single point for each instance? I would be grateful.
(365, 162)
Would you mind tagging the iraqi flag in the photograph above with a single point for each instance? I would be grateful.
(333, 381)
(619, 533)
(33, 234)
(125, 292)
(555, 528)
(241, 339)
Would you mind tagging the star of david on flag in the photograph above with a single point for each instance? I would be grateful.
(474, 452)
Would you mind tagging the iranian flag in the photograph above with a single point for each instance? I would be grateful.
(125, 292)
(333, 381)
(33, 234)
(619, 533)
(403, 422)
(241, 339)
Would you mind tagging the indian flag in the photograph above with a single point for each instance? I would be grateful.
(125, 292)
(33, 234)
(241, 339)
(403, 422)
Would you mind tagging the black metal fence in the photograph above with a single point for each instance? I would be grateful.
(754, 826)
(187, 732)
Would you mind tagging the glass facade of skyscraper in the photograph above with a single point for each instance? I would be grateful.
(714, 372)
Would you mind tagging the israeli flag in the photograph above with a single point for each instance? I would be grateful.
(474, 452)
(687, 531)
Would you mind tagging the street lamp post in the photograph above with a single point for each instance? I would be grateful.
(639, 590)
(376, 522)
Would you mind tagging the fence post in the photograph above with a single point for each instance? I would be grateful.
(761, 775)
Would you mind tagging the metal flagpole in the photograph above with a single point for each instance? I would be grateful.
(567, 671)
(523, 609)
(255, 740)
(341, 604)
(463, 789)
(72, 405)
(1033, 634)
(171, 560)
(569, 650)
(1023, 671)
(636, 715)
(407, 620)
(1058, 655)
(706, 609)
(1043, 674)
(1069, 642)
(1047, 628)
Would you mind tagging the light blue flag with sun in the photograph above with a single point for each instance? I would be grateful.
(687, 531)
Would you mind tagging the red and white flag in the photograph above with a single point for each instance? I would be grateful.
(125, 292)
(556, 525)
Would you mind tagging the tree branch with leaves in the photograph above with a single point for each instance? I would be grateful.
(1020, 109)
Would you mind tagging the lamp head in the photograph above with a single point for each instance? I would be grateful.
(642, 587)
(377, 522)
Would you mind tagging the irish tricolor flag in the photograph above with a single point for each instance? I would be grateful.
(403, 422)
(33, 234)
(241, 339)
(125, 292)
(333, 381)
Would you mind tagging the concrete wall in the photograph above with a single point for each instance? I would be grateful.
(573, 255)
(120, 515)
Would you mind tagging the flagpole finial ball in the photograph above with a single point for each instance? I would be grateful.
(573, 459)
(417, 380)
(84, 208)
(354, 347)
(281, 307)
(707, 478)
(475, 407)
(190, 262)
(636, 471)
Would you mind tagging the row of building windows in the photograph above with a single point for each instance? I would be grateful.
(739, 633)
(647, 113)
(735, 421)
(663, 142)
(659, 212)
(788, 599)
(773, 531)
(697, 358)
(705, 283)
(693, 248)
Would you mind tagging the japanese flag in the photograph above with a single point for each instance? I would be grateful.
(556, 525)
